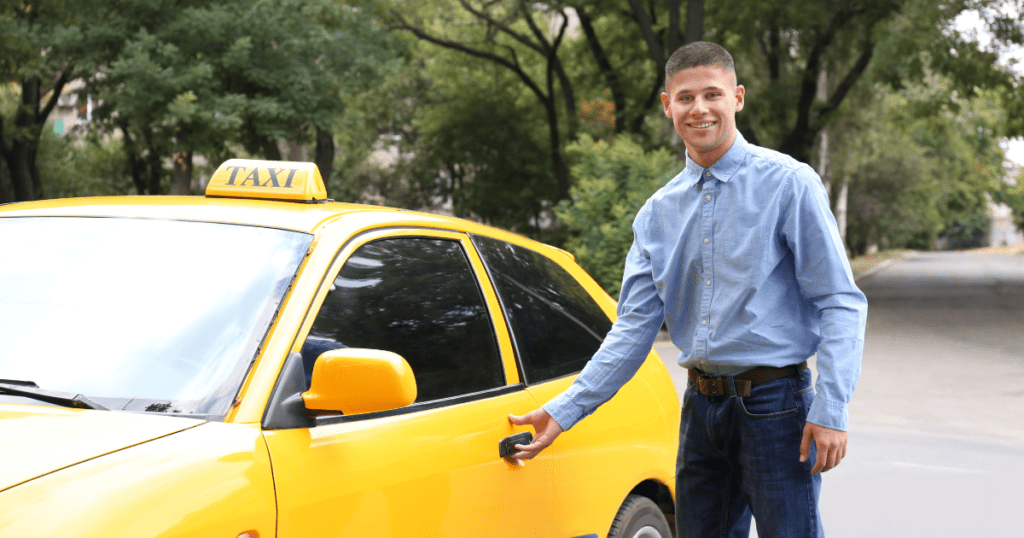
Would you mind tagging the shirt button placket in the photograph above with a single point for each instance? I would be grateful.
(707, 219)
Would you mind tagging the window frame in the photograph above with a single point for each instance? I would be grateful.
(499, 329)
(564, 260)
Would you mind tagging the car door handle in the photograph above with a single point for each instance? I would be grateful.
(507, 446)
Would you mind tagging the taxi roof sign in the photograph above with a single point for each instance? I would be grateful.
(268, 180)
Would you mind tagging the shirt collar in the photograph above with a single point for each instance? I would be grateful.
(724, 168)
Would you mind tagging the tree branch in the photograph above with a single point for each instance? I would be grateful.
(533, 26)
(809, 83)
(605, 66)
(646, 28)
(849, 80)
(514, 67)
(502, 27)
(58, 87)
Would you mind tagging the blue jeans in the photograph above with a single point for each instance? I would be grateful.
(740, 456)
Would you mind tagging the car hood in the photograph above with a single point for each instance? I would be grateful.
(36, 440)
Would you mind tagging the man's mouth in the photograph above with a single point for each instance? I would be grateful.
(704, 125)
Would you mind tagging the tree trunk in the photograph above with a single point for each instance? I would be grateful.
(561, 170)
(611, 77)
(824, 166)
(136, 166)
(3, 178)
(324, 157)
(153, 163)
(182, 184)
(694, 21)
(841, 202)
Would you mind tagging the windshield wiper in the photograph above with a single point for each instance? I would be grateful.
(30, 390)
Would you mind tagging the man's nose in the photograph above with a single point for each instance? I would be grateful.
(699, 107)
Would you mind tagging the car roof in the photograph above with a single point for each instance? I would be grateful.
(303, 217)
(288, 215)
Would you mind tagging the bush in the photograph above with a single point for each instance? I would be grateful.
(613, 180)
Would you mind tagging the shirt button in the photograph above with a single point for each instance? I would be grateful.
(707, 197)
(707, 173)
(708, 282)
(706, 240)
(703, 322)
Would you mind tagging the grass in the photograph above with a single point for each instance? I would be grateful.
(867, 261)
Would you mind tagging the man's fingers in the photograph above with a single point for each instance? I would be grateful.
(829, 444)
(546, 431)
(805, 444)
(822, 460)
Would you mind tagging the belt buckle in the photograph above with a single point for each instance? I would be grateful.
(710, 386)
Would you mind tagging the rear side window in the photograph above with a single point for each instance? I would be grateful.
(417, 297)
(556, 324)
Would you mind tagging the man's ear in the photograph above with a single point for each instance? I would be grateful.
(664, 103)
(740, 95)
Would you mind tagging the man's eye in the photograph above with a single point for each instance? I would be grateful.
(712, 95)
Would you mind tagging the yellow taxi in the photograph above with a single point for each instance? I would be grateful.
(264, 362)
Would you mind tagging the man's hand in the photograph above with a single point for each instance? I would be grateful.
(831, 445)
(545, 426)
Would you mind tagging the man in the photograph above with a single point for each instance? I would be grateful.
(741, 257)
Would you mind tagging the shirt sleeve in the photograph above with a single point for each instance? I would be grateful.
(825, 279)
(641, 313)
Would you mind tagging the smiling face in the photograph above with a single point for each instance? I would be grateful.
(702, 102)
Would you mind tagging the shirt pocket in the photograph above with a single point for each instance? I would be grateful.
(743, 250)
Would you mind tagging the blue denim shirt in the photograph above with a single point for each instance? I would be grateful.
(744, 264)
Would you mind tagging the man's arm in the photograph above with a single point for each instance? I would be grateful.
(640, 316)
(824, 276)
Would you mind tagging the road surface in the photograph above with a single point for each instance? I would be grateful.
(937, 422)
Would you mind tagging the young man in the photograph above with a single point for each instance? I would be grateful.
(740, 256)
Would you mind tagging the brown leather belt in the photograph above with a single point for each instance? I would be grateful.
(719, 386)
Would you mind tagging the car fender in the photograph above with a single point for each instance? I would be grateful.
(207, 481)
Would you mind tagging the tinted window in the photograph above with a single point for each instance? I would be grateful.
(416, 297)
(556, 324)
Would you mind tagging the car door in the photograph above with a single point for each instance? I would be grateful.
(432, 468)
(559, 318)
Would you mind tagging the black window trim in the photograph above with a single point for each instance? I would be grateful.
(508, 322)
(327, 420)
(386, 231)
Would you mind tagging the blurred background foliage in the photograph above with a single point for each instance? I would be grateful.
(542, 117)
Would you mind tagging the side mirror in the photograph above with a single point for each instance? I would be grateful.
(355, 381)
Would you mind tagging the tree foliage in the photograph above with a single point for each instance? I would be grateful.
(614, 179)
(177, 77)
(926, 174)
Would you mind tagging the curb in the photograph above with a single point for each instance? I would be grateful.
(870, 272)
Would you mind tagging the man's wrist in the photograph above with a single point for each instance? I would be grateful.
(829, 414)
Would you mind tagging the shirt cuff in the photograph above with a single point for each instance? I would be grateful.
(827, 413)
(564, 411)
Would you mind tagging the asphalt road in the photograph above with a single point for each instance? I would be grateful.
(937, 422)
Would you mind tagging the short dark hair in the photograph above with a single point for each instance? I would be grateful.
(698, 53)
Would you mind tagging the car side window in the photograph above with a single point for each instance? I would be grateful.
(417, 297)
(557, 326)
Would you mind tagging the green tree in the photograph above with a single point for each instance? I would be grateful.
(240, 72)
(927, 174)
(41, 50)
(614, 180)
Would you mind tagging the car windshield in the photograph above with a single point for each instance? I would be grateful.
(140, 314)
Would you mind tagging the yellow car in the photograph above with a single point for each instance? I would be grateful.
(263, 362)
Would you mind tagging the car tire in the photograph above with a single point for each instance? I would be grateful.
(639, 517)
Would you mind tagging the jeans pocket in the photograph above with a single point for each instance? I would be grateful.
(771, 400)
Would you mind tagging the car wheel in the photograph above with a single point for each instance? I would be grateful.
(639, 517)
